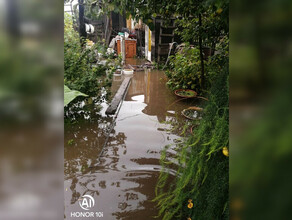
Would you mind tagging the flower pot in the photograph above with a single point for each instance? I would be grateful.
(185, 93)
(192, 113)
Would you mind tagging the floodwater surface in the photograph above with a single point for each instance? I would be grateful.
(122, 180)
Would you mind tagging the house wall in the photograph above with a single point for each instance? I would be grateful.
(149, 47)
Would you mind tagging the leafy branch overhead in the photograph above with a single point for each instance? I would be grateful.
(149, 9)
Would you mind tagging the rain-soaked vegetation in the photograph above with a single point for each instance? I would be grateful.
(161, 138)
(193, 182)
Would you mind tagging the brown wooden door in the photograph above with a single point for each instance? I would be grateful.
(130, 48)
(119, 46)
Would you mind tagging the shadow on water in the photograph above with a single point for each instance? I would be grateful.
(122, 181)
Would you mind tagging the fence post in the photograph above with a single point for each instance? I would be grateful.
(123, 49)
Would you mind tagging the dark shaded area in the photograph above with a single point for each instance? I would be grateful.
(260, 116)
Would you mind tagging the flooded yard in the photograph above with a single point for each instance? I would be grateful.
(122, 178)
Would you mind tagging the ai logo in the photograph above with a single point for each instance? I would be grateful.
(86, 202)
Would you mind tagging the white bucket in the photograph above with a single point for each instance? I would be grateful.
(128, 72)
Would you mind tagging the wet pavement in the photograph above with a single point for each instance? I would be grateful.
(122, 181)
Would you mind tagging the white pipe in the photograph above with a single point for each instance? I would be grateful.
(171, 45)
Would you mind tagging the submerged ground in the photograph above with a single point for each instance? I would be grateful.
(123, 179)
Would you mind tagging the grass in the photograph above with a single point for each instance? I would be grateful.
(203, 171)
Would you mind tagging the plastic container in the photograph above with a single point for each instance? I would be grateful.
(128, 72)
(118, 72)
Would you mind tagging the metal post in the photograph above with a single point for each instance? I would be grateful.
(123, 49)
(13, 20)
(82, 31)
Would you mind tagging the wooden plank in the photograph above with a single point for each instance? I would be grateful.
(131, 67)
(112, 108)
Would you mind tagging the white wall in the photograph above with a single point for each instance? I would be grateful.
(148, 43)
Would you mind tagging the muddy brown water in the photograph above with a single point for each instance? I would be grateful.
(122, 181)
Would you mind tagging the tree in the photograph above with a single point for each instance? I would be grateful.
(206, 20)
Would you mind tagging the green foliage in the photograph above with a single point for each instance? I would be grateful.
(203, 171)
(149, 9)
(185, 70)
(92, 9)
(80, 73)
(214, 26)
(70, 142)
(70, 95)
(217, 62)
(185, 67)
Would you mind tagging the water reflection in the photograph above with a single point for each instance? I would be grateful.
(123, 179)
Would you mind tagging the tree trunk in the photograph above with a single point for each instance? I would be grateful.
(108, 30)
(13, 19)
(201, 52)
(82, 31)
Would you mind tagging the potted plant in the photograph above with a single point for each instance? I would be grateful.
(185, 93)
(193, 113)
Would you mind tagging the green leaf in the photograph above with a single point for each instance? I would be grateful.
(70, 95)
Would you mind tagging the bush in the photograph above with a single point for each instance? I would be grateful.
(80, 74)
(185, 70)
(203, 170)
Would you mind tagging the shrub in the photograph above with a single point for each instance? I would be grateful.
(203, 170)
(80, 73)
(185, 70)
